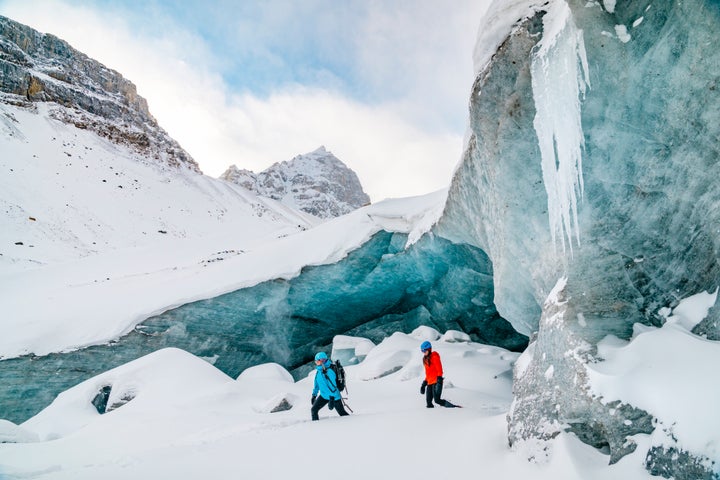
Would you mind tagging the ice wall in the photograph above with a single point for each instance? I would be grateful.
(633, 163)
(378, 289)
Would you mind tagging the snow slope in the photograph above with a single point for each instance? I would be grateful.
(188, 420)
(95, 259)
(68, 194)
(96, 299)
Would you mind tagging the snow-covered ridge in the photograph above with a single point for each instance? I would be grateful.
(69, 194)
(95, 220)
(87, 216)
(131, 284)
(37, 67)
(317, 183)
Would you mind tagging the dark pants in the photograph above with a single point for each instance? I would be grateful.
(320, 402)
(434, 392)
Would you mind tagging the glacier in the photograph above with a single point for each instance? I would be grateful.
(588, 179)
(583, 210)
(375, 290)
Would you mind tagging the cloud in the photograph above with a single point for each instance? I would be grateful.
(420, 51)
(394, 139)
(391, 156)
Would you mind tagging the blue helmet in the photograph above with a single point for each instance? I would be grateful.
(321, 356)
(425, 346)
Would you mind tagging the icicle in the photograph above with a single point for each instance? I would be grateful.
(559, 79)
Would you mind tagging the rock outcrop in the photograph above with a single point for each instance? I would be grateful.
(37, 67)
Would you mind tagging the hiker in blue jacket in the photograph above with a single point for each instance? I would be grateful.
(326, 386)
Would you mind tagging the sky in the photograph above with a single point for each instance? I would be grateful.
(384, 85)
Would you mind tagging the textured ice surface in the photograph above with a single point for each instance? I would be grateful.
(649, 214)
(559, 74)
(377, 289)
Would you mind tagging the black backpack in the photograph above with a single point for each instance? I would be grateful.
(339, 375)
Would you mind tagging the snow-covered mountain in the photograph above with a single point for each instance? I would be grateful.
(87, 170)
(317, 183)
(79, 91)
(91, 217)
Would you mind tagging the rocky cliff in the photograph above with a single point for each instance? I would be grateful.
(37, 67)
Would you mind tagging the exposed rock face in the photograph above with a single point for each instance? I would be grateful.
(598, 210)
(37, 67)
(317, 183)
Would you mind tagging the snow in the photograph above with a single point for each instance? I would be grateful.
(317, 183)
(667, 372)
(132, 285)
(609, 5)
(106, 254)
(622, 33)
(11, 433)
(350, 350)
(693, 310)
(173, 415)
(188, 420)
(498, 22)
(455, 336)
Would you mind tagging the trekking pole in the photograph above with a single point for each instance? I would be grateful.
(346, 405)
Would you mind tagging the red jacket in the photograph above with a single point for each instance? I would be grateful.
(433, 367)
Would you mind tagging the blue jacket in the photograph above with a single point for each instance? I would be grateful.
(326, 388)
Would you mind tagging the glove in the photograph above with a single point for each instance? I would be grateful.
(331, 403)
(440, 381)
(422, 387)
(312, 399)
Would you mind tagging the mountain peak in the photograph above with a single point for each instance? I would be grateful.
(321, 150)
(317, 183)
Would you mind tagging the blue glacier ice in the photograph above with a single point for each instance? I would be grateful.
(586, 201)
(376, 290)
(591, 172)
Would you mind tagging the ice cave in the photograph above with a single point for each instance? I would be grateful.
(378, 289)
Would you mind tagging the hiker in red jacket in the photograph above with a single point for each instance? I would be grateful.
(433, 383)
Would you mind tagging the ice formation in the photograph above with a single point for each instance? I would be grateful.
(377, 289)
(641, 147)
(559, 73)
